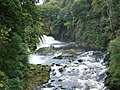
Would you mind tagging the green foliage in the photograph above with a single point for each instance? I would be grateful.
(13, 84)
(4, 34)
(48, 14)
(80, 8)
(32, 34)
(19, 29)
(98, 5)
(114, 49)
(1, 85)
(2, 75)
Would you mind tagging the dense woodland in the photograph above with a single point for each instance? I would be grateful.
(94, 23)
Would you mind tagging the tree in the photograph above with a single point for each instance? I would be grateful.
(15, 17)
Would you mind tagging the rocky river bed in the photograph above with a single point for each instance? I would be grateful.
(73, 69)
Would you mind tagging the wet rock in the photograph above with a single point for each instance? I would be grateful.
(76, 63)
(107, 57)
(65, 66)
(73, 60)
(107, 73)
(53, 70)
(68, 55)
(57, 64)
(49, 85)
(63, 88)
(56, 89)
(53, 74)
(68, 71)
(61, 70)
(80, 60)
(87, 87)
(52, 80)
(44, 86)
(53, 64)
(59, 80)
(60, 86)
(97, 53)
(58, 57)
(73, 87)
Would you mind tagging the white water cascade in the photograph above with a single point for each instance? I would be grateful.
(48, 41)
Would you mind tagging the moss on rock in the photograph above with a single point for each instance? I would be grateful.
(37, 75)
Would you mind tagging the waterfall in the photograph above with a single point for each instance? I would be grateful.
(47, 41)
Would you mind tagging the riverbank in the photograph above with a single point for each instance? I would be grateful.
(37, 75)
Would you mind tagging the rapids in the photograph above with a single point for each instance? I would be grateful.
(76, 70)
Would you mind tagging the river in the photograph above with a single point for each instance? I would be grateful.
(71, 68)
